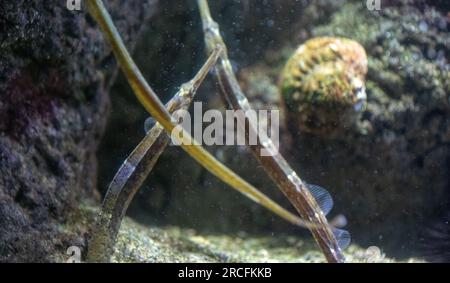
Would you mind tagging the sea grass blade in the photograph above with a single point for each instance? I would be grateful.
(153, 105)
(276, 166)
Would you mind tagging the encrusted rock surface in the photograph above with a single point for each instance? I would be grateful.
(55, 70)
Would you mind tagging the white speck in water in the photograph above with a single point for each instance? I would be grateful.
(423, 26)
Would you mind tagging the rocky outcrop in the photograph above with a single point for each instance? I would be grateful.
(55, 71)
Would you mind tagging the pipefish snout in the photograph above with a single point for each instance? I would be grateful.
(322, 85)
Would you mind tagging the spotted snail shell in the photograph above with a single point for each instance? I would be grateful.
(322, 85)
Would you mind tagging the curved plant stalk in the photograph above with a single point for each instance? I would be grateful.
(275, 165)
(128, 179)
